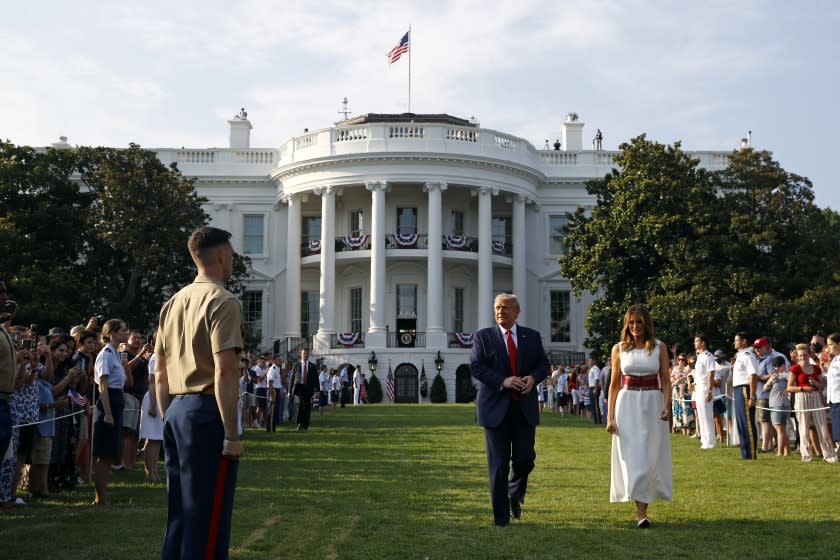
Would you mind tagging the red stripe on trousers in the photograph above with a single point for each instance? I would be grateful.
(218, 498)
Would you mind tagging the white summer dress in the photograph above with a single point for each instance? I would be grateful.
(641, 450)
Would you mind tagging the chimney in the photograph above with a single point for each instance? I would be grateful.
(240, 130)
(572, 133)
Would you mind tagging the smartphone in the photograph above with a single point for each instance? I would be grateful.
(42, 339)
(33, 328)
(28, 344)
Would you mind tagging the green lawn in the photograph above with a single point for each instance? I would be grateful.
(409, 482)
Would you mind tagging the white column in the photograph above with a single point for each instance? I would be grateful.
(435, 334)
(326, 317)
(485, 257)
(519, 260)
(293, 232)
(375, 337)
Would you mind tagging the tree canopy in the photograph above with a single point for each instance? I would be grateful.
(96, 231)
(744, 248)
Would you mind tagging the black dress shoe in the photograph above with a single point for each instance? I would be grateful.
(515, 507)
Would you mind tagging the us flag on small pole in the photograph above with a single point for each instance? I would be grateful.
(389, 383)
(401, 48)
(80, 400)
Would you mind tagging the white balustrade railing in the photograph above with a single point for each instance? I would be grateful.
(194, 157)
(462, 134)
(307, 141)
(254, 157)
(349, 134)
(505, 143)
(405, 132)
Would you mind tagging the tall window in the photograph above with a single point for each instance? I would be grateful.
(502, 229)
(457, 223)
(560, 319)
(311, 228)
(252, 234)
(406, 220)
(556, 234)
(406, 301)
(309, 302)
(357, 222)
(355, 310)
(252, 310)
(458, 310)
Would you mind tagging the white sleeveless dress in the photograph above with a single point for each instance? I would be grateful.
(641, 450)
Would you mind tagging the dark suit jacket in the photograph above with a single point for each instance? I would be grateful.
(489, 364)
(298, 388)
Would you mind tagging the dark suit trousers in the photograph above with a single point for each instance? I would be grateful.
(511, 444)
(304, 408)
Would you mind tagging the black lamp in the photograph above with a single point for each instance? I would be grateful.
(439, 362)
(372, 362)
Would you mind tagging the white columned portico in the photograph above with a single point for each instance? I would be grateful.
(376, 334)
(293, 233)
(519, 256)
(435, 334)
(326, 317)
(485, 256)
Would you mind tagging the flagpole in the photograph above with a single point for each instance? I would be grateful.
(410, 48)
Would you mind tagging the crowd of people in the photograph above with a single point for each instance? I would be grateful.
(267, 385)
(793, 394)
(66, 432)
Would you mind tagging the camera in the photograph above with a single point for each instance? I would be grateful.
(28, 344)
(816, 347)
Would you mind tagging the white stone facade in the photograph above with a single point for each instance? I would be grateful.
(475, 207)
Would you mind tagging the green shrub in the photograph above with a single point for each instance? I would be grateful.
(374, 389)
(438, 393)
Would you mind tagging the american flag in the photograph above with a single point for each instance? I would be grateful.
(401, 48)
(389, 383)
(76, 397)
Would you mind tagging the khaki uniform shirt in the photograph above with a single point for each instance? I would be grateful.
(200, 320)
(8, 364)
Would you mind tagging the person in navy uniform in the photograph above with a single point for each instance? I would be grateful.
(509, 361)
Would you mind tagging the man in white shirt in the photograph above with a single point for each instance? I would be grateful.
(275, 385)
(357, 383)
(833, 384)
(744, 382)
(704, 375)
(594, 390)
(323, 388)
(261, 388)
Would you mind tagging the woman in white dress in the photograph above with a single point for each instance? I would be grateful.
(638, 416)
(151, 427)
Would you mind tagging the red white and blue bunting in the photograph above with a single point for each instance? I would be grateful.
(315, 246)
(498, 246)
(465, 339)
(355, 241)
(456, 241)
(347, 338)
(406, 239)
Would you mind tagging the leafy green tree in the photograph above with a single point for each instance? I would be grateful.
(43, 217)
(744, 248)
(374, 390)
(641, 243)
(437, 394)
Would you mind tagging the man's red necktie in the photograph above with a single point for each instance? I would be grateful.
(511, 348)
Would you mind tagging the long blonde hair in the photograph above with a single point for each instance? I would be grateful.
(627, 341)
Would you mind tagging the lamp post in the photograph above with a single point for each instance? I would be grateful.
(439, 362)
(372, 362)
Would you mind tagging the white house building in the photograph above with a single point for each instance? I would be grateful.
(387, 237)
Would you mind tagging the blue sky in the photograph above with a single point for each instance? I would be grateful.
(169, 74)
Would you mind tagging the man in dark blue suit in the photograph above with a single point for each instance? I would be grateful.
(509, 361)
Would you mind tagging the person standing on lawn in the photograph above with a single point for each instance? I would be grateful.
(198, 349)
(509, 361)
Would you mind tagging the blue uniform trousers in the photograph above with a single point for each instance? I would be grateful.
(510, 447)
(745, 419)
(200, 482)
